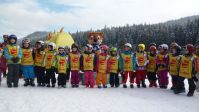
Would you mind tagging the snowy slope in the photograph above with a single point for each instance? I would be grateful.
(38, 99)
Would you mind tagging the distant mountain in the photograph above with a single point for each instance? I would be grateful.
(38, 35)
(181, 21)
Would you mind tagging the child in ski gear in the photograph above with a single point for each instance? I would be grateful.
(67, 49)
(74, 63)
(141, 62)
(102, 66)
(3, 65)
(162, 64)
(27, 63)
(186, 71)
(197, 67)
(61, 64)
(87, 65)
(1, 70)
(49, 59)
(127, 63)
(13, 56)
(173, 63)
(39, 59)
(114, 67)
(151, 66)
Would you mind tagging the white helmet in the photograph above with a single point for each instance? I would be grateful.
(164, 46)
(52, 44)
(128, 45)
(41, 42)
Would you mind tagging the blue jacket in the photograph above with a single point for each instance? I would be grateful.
(9, 56)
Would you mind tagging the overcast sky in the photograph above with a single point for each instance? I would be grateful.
(22, 17)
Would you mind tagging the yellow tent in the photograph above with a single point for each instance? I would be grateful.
(60, 38)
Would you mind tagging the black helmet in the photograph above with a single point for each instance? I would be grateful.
(13, 37)
(74, 46)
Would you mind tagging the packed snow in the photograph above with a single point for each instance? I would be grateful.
(43, 99)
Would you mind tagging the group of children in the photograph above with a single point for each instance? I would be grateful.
(43, 62)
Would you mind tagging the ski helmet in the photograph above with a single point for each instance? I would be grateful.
(53, 45)
(128, 45)
(142, 46)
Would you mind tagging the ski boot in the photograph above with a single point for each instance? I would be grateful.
(116, 86)
(9, 85)
(143, 84)
(53, 85)
(76, 86)
(48, 85)
(190, 93)
(99, 86)
(131, 86)
(73, 86)
(138, 85)
(104, 86)
(26, 82)
(32, 83)
(124, 86)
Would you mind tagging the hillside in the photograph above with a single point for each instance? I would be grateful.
(184, 30)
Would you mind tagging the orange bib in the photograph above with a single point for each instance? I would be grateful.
(102, 64)
(27, 58)
(151, 67)
(128, 64)
(62, 64)
(185, 67)
(88, 61)
(114, 64)
(173, 65)
(74, 61)
(50, 56)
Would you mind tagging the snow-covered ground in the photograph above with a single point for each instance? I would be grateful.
(43, 99)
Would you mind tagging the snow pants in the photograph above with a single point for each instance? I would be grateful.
(163, 78)
(3, 66)
(89, 79)
(13, 74)
(75, 78)
(114, 79)
(180, 84)
(127, 74)
(61, 79)
(174, 80)
(40, 74)
(50, 76)
(28, 72)
(67, 74)
(140, 76)
(101, 78)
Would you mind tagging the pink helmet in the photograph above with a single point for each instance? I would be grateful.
(104, 47)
